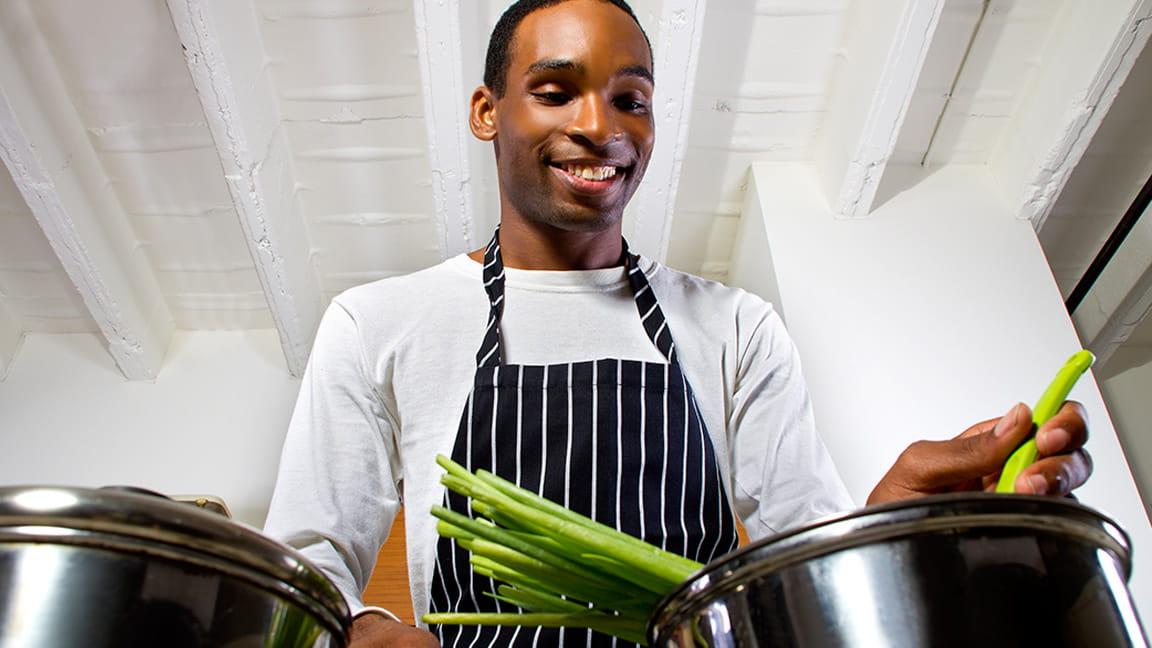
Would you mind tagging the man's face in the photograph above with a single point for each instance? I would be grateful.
(573, 130)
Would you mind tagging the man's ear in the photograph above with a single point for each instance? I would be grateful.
(482, 114)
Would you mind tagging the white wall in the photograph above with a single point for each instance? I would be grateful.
(1130, 403)
(936, 312)
(212, 423)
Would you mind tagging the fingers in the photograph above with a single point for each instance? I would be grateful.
(1057, 475)
(1065, 432)
(978, 451)
(377, 631)
(975, 458)
(927, 467)
(1063, 465)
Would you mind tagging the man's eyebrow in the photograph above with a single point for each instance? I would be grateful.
(641, 71)
(549, 65)
(568, 65)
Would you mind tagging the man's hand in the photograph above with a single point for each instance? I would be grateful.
(376, 631)
(973, 460)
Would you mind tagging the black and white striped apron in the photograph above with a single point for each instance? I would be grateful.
(620, 441)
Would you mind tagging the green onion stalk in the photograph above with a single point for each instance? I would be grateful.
(561, 568)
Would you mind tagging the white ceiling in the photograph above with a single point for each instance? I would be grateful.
(343, 88)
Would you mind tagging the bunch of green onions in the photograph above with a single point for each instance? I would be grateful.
(561, 568)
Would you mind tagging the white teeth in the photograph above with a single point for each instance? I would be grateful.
(591, 172)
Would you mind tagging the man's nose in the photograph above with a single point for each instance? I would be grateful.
(594, 122)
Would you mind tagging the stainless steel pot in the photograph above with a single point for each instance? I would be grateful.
(101, 568)
(951, 570)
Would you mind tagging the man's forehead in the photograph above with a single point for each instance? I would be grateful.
(570, 33)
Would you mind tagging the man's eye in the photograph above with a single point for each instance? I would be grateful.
(631, 105)
(551, 98)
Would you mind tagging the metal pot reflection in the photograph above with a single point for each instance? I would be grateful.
(107, 568)
(950, 570)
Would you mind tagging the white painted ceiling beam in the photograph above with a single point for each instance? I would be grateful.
(446, 119)
(11, 334)
(224, 51)
(46, 148)
(677, 54)
(1093, 47)
(885, 53)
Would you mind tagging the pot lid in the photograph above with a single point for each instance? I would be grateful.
(134, 521)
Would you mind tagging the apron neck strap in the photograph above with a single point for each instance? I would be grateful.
(651, 315)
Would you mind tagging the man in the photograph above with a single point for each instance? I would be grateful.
(652, 400)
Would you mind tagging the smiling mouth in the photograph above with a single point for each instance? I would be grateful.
(589, 172)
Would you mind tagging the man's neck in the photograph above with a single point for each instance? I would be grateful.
(542, 247)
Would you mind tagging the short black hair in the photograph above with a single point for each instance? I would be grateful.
(500, 44)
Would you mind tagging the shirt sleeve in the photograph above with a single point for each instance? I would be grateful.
(336, 492)
(783, 475)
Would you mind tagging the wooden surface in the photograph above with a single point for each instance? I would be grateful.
(388, 587)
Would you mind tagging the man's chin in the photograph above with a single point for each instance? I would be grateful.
(583, 221)
(586, 225)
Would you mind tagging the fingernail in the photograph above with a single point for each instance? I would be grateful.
(1038, 484)
(1007, 422)
(1054, 440)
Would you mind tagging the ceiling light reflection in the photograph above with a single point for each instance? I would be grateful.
(45, 499)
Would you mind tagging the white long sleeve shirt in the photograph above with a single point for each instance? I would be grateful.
(393, 363)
